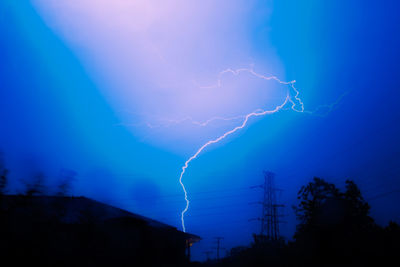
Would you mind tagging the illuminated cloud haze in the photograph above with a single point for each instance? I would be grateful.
(156, 60)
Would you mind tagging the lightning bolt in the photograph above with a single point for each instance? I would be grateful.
(291, 102)
(289, 98)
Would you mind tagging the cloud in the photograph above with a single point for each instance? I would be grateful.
(149, 57)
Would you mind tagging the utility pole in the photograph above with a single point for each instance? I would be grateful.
(208, 253)
(270, 209)
(218, 242)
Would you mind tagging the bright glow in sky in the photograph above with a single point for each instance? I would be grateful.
(155, 59)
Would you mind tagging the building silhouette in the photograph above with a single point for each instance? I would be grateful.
(77, 231)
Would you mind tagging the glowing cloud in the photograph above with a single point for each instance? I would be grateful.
(147, 57)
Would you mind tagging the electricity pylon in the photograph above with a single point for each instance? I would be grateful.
(270, 209)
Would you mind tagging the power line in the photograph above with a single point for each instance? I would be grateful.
(208, 253)
(193, 193)
(192, 199)
(383, 194)
(218, 242)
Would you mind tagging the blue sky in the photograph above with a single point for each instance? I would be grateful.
(81, 83)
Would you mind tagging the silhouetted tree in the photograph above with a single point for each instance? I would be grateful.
(391, 239)
(312, 198)
(3, 175)
(66, 179)
(3, 185)
(334, 226)
(36, 186)
(357, 213)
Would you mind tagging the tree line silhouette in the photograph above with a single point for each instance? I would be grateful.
(335, 229)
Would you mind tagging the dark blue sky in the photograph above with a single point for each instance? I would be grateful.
(64, 105)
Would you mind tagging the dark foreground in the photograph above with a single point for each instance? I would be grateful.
(335, 229)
